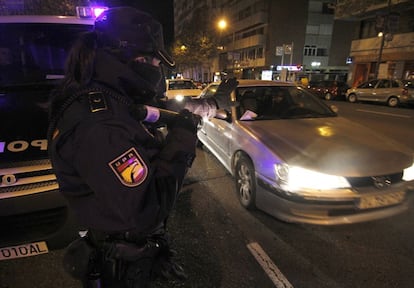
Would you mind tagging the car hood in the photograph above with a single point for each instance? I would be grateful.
(24, 122)
(334, 146)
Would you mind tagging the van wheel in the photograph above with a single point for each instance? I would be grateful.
(352, 98)
(393, 102)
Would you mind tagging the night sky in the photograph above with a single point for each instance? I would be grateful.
(162, 10)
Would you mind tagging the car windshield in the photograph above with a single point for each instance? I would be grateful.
(278, 102)
(35, 53)
(181, 84)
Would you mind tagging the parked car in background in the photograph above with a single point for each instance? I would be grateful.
(409, 84)
(389, 91)
(294, 158)
(178, 89)
(329, 89)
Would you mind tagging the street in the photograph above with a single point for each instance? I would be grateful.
(220, 244)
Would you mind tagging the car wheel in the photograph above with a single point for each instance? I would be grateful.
(352, 98)
(328, 96)
(393, 102)
(245, 182)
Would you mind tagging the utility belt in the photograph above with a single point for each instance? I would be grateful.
(109, 258)
(128, 259)
(99, 238)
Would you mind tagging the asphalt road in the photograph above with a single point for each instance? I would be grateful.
(222, 245)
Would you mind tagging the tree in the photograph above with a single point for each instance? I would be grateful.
(193, 47)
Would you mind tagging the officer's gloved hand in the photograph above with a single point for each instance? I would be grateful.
(181, 140)
(187, 120)
(222, 96)
(166, 268)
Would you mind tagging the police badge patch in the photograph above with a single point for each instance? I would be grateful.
(130, 168)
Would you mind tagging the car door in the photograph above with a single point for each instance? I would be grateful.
(366, 91)
(215, 132)
(382, 91)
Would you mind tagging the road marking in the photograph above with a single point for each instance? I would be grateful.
(383, 113)
(268, 266)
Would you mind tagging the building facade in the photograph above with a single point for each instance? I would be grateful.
(383, 44)
(267, 38)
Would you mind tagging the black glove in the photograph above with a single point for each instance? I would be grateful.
(165, 267)
(223, 92)
(187, 120)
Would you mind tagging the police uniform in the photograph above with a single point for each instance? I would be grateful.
(117, 176)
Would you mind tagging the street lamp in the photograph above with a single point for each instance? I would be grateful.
(381, 34)
(222, 24)
(384, 33)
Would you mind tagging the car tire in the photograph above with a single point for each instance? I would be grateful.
(393, 101)
(328, 96)
(352, 98)
(245, 181)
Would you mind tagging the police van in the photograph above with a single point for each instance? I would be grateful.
(34, 216)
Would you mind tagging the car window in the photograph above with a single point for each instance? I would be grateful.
(36, 52)
(394, 84)
(369, 84)
(384, 84)
(280, 103)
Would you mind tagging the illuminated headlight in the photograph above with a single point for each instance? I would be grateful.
(179, 98)
(409, 173)
(294, 178)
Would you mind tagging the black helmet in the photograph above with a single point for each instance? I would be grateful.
(133, 31)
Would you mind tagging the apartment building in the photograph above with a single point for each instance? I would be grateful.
(383, 44)
(279, 37)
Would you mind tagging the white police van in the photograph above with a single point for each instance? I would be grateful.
(34, 216)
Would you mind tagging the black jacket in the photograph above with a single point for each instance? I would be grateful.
(115, 175)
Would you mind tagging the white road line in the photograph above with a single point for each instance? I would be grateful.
(383, 113)
(268, 266)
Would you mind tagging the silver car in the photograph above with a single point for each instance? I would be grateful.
(293, 157)
(389, 91)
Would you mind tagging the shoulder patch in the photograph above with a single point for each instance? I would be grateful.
(129, 168)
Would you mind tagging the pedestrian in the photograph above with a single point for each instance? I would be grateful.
(119, 177)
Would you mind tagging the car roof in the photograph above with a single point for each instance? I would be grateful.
(254, 82)
(179, 79)
(53, 19)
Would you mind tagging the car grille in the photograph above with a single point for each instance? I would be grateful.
(19, 179)
(361, 182)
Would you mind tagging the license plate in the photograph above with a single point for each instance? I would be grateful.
(25, 250)
(374, 201)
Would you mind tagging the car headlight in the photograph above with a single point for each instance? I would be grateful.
(293, 178)
(408, 174)
(179, 98)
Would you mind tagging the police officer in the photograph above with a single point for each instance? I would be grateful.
(118, 177)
